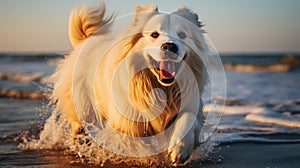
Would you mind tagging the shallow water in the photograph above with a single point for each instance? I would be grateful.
(262, 107)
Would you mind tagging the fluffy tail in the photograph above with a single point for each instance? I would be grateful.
(85, 21)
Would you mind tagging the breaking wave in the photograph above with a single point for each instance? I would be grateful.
(19, 85)
(23, 77)
(281, 64)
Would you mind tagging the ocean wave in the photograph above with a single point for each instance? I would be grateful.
(277, 119)
(12, 58)
(24, 77)
(235, 110)
(23, 85)
(286, 64)
(286, 114)
(253, 68)
(20, 94)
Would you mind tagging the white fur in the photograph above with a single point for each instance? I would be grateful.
(92, 80)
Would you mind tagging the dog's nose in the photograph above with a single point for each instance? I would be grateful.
(169, 47)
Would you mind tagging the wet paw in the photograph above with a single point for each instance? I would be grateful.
(180, 153)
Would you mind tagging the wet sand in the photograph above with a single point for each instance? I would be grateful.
(258, 155)
(243, 155)
(236, 155)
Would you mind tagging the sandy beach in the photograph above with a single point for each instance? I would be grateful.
(236, 155)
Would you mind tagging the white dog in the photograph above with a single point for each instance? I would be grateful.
(143, 81)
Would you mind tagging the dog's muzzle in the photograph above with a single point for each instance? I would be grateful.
(167, 69)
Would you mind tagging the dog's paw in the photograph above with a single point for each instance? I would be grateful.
(179, 153)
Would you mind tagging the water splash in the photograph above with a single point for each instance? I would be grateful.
(56, 135)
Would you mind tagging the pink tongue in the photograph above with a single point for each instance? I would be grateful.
(167, 69)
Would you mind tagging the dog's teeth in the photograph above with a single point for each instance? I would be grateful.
(167, 69)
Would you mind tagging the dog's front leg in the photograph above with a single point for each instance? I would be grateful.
(183, 137)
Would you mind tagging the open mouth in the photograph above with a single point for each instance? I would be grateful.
(167, 72)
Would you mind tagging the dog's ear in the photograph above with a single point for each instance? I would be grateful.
(181, 8)
(189, 15)
(149, 8)
(143, 13)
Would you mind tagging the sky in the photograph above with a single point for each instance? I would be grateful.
(232, 25)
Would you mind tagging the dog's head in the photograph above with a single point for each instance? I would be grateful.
(162, 51)
(166, 40)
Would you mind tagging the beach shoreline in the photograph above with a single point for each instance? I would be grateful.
(232, 155)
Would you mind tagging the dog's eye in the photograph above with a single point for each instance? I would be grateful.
(181, 35)
(154, 34)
